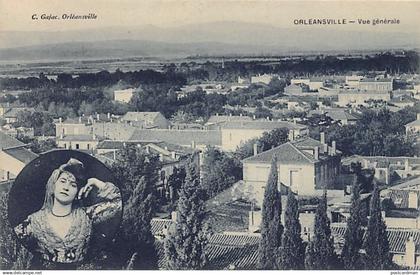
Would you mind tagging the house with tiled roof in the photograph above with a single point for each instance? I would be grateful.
(233, 250)
(13, 156)
(304, 165)
(404, 244)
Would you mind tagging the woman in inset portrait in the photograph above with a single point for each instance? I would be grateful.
(61, 230)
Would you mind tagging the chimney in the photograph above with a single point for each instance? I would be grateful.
(97, 117)
(254, 221)
(268, 118)
(418, 116)
(60, 120)
(108, 115)
(174, 216)
(413, 200)
(255, 149)
(80, 119)
(254, 117)
(406, 165)
(325, 148)
(322, 138)
(291, 135)
(334, 148)
(173, 155)
(316, 153)
(410, 249)
(93, 136)
(161, 157)
(193, 144)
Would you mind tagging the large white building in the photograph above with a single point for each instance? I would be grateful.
(304, 165)
(361, 97)
(376, 84)
(264, 78)
(124, 95)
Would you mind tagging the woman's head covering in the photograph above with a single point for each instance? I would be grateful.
(76, 168)
(73, 166)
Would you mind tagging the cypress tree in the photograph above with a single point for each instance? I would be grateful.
(187, 238)
(320, 253)
(271, 227)
(353, 239)
(135, 242)
(376, 242)
(292, 252)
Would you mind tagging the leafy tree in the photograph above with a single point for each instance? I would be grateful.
(292, 251)
(320, 253)
(353, 239)
(376, 242)
(267, 141)
(187, 238)
(219, 171)
(273, 138)
(271, 227)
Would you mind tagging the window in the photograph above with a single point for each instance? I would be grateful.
(88, 146)
(65, 145)
(77, 146)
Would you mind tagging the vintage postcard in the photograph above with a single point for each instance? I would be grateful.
(209, 135)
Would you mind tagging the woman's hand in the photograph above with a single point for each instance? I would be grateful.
(92, 182)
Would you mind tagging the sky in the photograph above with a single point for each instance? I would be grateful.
(16, 15)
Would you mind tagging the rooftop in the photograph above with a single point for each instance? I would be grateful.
(81, 138)
(140, 116)
(21, 154)
(7, 141)
(397, 237)
(376, 80)
(291, 152)
(179, 137)
(223, 118)
(262, 125)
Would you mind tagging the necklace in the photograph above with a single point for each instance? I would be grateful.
(60, 216)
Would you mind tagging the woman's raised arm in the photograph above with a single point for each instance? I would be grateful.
(107, 201)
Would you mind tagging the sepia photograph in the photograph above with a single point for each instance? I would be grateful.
(210, 135)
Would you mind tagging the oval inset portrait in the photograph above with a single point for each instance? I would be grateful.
(64, 206)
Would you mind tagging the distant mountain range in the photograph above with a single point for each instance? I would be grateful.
(217, 38)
